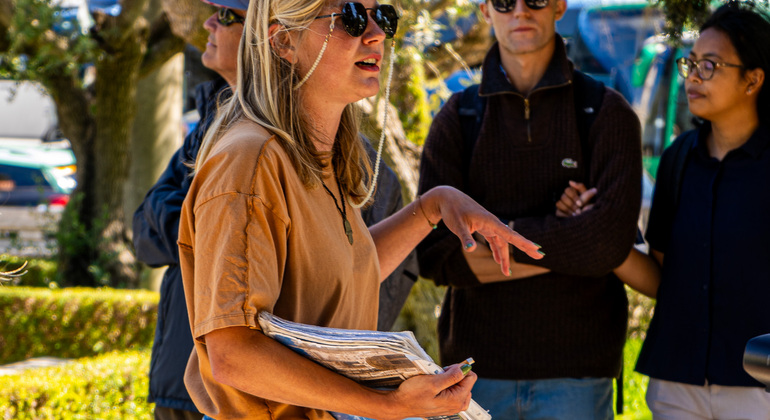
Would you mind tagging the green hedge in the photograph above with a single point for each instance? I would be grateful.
(110, 386)
(73, 322)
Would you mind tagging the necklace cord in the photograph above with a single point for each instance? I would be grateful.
(342, 211)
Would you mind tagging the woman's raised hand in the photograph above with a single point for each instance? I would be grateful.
(463, 216)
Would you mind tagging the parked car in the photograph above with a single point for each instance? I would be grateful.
(33, 173)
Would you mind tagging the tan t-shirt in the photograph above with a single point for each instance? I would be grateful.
(253, 238)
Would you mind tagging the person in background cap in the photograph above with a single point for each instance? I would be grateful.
(156, 224)
(156, 221)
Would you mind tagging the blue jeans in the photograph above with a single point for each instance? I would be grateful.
(207, 418)
(546, 399)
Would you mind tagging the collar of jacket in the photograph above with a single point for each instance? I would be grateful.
(208, 93)
(494, 81)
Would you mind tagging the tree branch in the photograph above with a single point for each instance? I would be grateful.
(186, 18)
(162, 45)
(131, 12)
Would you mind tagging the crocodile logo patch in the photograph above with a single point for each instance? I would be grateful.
(569, 163)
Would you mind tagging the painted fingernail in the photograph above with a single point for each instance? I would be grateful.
(468, 245)
(537, 245)
(466, 367)
(510, 272)
(541, 252)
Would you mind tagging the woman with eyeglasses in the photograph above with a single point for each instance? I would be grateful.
(714, 283)
(272, 221)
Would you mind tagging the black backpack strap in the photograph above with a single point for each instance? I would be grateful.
(471, 112)
(588, 94)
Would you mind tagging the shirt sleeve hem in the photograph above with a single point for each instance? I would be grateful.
(240, 319)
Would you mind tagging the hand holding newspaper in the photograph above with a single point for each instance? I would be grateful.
(376, 359)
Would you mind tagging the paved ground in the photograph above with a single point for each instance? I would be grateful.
(37, 362)
(21, 231)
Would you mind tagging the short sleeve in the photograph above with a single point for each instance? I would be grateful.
(238, 264)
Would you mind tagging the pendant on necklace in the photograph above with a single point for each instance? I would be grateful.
(348, 231)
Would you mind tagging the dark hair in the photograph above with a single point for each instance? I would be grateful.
(747, 26)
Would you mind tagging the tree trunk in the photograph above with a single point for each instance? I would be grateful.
(157, 130)
(114, 115)
(157, 134)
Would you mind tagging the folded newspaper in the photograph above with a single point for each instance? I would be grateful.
(377, 359)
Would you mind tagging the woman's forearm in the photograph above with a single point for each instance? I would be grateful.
(640, 272)
(251, 362)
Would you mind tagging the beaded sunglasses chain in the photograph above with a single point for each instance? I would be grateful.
(355, 20)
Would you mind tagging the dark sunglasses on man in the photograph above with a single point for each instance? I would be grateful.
(355, 18)
(505, 6)
(227, 17)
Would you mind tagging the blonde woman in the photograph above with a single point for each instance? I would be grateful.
(271, 222)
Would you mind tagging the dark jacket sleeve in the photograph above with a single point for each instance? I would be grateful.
(156, 221)
(599, 240)
(440, 253)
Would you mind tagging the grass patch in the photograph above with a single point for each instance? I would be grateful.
(634, 384)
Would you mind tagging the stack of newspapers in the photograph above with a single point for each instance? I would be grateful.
(377, 359)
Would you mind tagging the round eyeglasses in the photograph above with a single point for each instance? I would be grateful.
(355, 18)
(704, 67)
(227, 17)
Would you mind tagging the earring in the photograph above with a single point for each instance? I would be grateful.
(748, 91)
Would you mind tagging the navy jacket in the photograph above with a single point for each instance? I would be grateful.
(156, 229)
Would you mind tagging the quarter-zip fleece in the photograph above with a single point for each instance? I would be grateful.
(570, 322)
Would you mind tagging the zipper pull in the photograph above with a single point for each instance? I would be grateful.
(526, 117)
(526, 109)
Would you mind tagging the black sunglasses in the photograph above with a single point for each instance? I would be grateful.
(355, 19)
(227, 17)
(505, 6)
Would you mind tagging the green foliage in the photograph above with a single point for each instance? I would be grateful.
(410, 78)
(55, 55)
(416, 116)
(73, 322)
(640, 311)
(683, 14)
(634, 384)
(39, 272)
(79, 239)
(111, 386)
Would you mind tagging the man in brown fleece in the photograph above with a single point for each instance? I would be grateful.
(548, 337)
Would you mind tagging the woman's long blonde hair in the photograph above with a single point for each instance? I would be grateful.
(265, 94)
